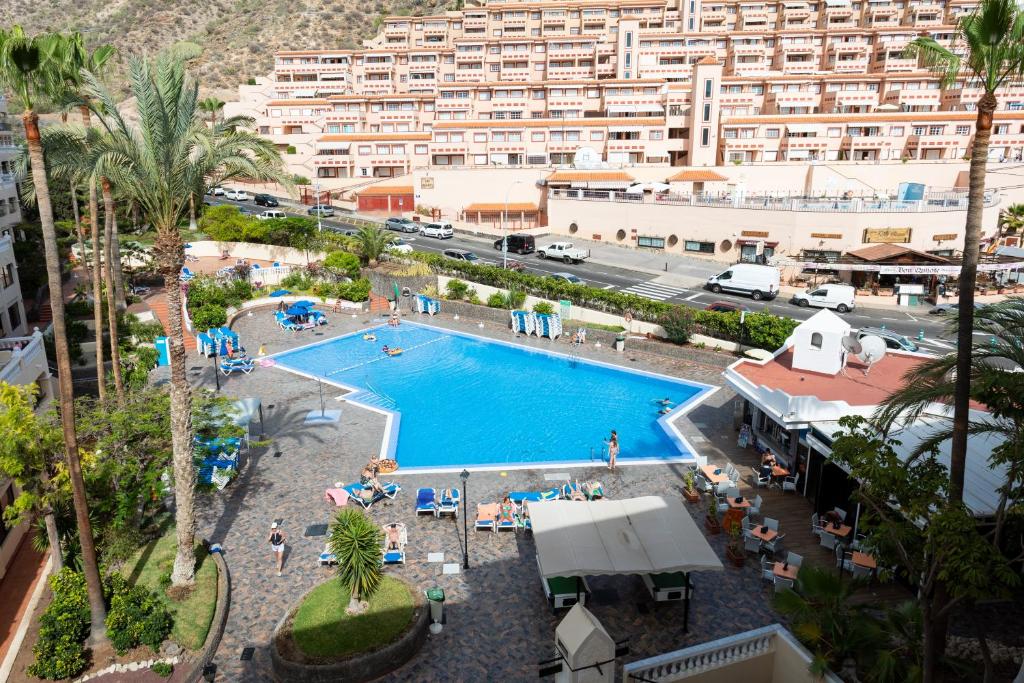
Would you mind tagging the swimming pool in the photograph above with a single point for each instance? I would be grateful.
(457, 400)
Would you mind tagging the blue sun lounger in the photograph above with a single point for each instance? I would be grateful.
(391, 490)
(393, 556)
(449, 503)
(518, 497)
(426, 502)
(229, 368)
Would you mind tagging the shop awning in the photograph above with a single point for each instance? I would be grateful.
(648, 535)
(748, 242)
(341, 146)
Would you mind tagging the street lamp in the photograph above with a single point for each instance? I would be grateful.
(465, 524)
(216, 370)
(319, 213)
(504, 225)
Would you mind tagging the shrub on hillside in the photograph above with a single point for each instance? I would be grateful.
(296, 280)
(136, 616)
(497, 300)
(679, 324)
(456, 290)
(342, 264)
(63, 628)
(357, 290)
(210, 315)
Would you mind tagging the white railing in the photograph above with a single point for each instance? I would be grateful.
(26, 356)
(768, 203)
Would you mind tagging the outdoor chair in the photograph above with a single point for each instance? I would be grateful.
(772, 545)
(426, 501)
(449, 503)
(828, 540)
(752, 544)
(840, 513)
(794, 559)
(782, 584)
(844, 560)
(816, 527)
(860, 572)
(790, 484)
(702, 460)
(759, 479)
(771, 523)
(767, 570)
(747, 524)
(755, 506)
(702, 484)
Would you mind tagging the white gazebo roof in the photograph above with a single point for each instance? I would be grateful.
(826, 321)
(648, 535)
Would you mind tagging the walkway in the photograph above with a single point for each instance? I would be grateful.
(157, 302)
(17, 587)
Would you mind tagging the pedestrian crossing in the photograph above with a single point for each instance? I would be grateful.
(655, 291)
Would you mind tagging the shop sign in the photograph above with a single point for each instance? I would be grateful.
(945, 237)
(426, 183)
(887, 235)
(754, 233)
(827, 235)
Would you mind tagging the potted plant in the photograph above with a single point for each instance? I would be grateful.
(734, 550)
(690, 492)
(711, 522)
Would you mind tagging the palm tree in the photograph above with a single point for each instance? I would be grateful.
(1011, 220)
(372, 243)
(356, 542)
(157, 163)
(108, 258)
(25, 71)
(212, 106)
(994, 37)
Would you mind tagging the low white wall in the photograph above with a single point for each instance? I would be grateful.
(585, 315)
(261, 252)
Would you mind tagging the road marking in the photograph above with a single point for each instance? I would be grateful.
(694, 296)
(895, 320)
(652, 290)
(608, 287)
(936, 342)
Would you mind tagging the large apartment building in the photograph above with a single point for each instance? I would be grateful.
(640, 82)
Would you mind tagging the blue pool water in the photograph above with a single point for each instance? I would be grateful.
(464, 401)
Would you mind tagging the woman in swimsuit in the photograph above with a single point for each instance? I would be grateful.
(393, 537)
(276, 539)
(505, 510)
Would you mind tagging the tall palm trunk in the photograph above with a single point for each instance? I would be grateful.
(53, 538)
(192, 225)
(97, 290)
(97, 608)
(115, 250)
(108, 258)
(79, 231)
(170, 254)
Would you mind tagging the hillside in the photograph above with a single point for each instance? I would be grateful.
(239, 37)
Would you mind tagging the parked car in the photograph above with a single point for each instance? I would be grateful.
(140, 290)
(216, 191)
(400, 246)
(520, 244)
(894, 341)
(511, 264)
(265, 200)
(567, 277)
(839, 297)
(324, 210)
(941, 309)
(237, 195)
(441, 231)
(244, 211)
(271, 213)
(756, 281)
(564, 251)
(461, 255)
(401, 225)
(726, 307)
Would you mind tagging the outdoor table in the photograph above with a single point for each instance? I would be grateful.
(788, 573)
(864, 560)
(842, 532)
(778, 472)
(709, 474)
(738, 504)
(766, 536)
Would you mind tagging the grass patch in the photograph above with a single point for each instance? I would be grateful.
(151, 566)
(593, 326)
(148, 238)
(321, 627)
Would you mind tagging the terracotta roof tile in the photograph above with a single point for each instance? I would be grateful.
(384, 190)
(880, 252)
(697, 175)
(709, 61)
(589, 176)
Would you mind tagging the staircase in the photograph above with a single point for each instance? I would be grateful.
(45, 315)
(370, 397)
(158, 304)
(379, 304)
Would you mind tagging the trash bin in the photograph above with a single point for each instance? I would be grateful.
(620, 342)
(435, 596)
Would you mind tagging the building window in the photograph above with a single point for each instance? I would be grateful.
(8, 275)
(707, 112)
(14, 314)
(816, 340)
(652, 242)
(421, 149)
(702, 247)
(629, 39)
(708, 84)
(771, 133)
(705, 137)
(963, 130)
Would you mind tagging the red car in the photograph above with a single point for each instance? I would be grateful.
(726, 307)
(511, 264)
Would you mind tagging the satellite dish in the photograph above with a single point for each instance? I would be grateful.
(872, 350)
(851, 345)
(586, 158)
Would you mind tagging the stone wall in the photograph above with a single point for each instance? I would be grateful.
(383, 284)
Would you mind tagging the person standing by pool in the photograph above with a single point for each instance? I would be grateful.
(613, 449)
(277, 545)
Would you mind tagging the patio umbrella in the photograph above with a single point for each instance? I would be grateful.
(224, 346)
(280, 292)
(188, 246)
(304, 304)
(296, 310)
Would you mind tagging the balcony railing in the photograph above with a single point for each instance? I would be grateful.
(20, 357)
(932, 203)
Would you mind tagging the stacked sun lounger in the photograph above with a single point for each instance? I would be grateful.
(230, 366)
(523, 322)
(549, 326)
(424, 304)
(217, 459)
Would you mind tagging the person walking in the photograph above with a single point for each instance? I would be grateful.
(613, 449)
(277, 545)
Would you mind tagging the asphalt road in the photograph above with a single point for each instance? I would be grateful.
(912, 325)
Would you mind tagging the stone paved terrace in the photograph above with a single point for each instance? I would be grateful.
(499, 625)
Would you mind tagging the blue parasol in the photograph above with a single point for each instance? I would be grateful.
(280, 292)
(297, 310)
(304, 304)
(224, 346)
(188, 246)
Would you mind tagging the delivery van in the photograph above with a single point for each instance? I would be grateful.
(838, 297)
(756, 281)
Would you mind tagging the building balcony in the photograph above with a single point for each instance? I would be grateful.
(515, 75)
(25, 365)
(923, 20)
(475, 56)
(395, 30)
(378, 67)
(849, 66)
(859, 98)
(832, 13)
(914, 98)
(713, 17)
(894, 64)
(740, 50)
(474, 22)
(475, 76)
(565, 72)
(796, 14)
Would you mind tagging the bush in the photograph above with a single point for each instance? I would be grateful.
(678, 323)
(543, 307)
(162, 669)
(144, 332)
(145, 359)
(357, 290)
(290, 149)
(210, 315)
(342, 264)
(136, 616)
(296, 280)
(497, 300)
(457, 290)
(63, 628)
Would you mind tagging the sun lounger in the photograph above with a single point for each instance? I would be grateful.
(523, 520)
(186, 274)
(327, 558)
(231, 368)
(390, 490)
(337, 496)
(565, 591)
(393, 556)
(533, 496)
(667, 586)
(448, 503)
(487, 516)
(426, 503)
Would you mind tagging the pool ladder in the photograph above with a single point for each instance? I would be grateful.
(385, 400)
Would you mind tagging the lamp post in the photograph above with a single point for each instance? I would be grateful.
(504, 226)
(216, 370)
(465, 524)
(319, 215)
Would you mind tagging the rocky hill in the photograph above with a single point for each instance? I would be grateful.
(239, 37)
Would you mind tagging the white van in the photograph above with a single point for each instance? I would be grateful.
(839, 297)
(270, 214)
(757, 281)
